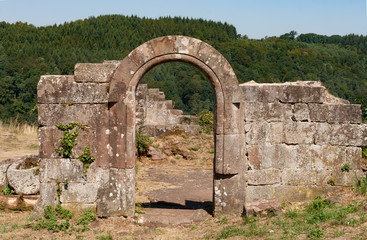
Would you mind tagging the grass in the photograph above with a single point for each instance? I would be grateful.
(319, 219)
(24, 129)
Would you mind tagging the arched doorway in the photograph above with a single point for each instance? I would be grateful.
(229, 161)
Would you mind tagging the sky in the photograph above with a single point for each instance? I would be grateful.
(254, 18)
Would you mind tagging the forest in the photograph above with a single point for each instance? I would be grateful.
(27, 52)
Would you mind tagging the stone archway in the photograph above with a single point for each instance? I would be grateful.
(229, 163)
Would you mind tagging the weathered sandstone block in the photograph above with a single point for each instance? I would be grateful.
(95, 72)
(63, 89)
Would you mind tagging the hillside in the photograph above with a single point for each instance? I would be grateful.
(26, 52)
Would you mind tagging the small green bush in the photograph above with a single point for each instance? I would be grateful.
(7, 190)
(86, 158)
(360, 185)
(68, 141)
(206, 121)
(142, 142)
(364, 152)
(346, 167)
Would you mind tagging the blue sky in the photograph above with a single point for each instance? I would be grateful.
(255, 18)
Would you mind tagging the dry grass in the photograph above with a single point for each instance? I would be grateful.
(17, 139)
(15, 127)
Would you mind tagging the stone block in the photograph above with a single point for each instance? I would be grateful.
(301, 193)
(252, 92)
(24, 181)
(346, 179)
(79, 192)
(263, 208)
(50, 139)
(353, 156)
(4, 165)
(79, 208)
(319, 112)
(117, 198)
(304, 157)
(259, 193)
(264, 177)
(348, 113)
(254, 111)
(61, 169)
(232, 154)
(229, 193)
(328, 157)
(85, 114)
(299, 132)
(257, 132)
(347, 135)
(48, 197)
(95, 72)
(277, 156)
(302, 92)
(322, 134)
(301, 112)
(278, 112)
(63, 89)
(299, 177)
(276, 133)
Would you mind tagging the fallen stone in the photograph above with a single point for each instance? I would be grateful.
(23, 181)
(263, 208)
(156, 153)
(4, 165)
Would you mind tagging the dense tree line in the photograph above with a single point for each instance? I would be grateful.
(27, 52)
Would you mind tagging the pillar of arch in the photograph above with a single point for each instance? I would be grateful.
(229, 162)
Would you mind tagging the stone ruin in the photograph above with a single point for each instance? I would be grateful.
(157, 116)
(283, 141)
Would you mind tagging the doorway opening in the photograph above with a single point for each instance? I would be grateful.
(175, 140)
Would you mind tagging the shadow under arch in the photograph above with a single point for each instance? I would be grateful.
(229, 161)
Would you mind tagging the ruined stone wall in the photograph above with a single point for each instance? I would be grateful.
(157, 115)
(81, 97)
(298, 138)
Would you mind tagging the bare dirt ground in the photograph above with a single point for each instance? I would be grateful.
(17, 142)
(173, 197)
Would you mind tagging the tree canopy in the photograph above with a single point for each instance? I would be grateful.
(27, 52)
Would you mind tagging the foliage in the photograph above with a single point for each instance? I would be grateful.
(105, 237)
(142, 142)
(346, 167)
(71, 132)
(360, 185)
(55, 219)
(85, 219)
(331, 182)
(364, 152)
(86, 159)
(7, 190)
(206, 121)
(27, 52)
(58, 219)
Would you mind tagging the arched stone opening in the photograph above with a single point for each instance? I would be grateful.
(229, 184)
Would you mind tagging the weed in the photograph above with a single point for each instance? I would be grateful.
(105, 237)
(7, 190)
(364, 151)
(206, 120)
(142, 142)
(331, 182)
(360, 185)
(85, 219)
(138, 211)
(86, 159)
(184, 136)
(346, 167)
(230, 231)
(223, 220)
(315, 232)
(71, 132)
(194, 149)
(211, 151)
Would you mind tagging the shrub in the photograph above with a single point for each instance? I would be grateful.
(206, 121)
(7, 190)
(71, 132)
(142, 142)
(86, 159)
(364, 152)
